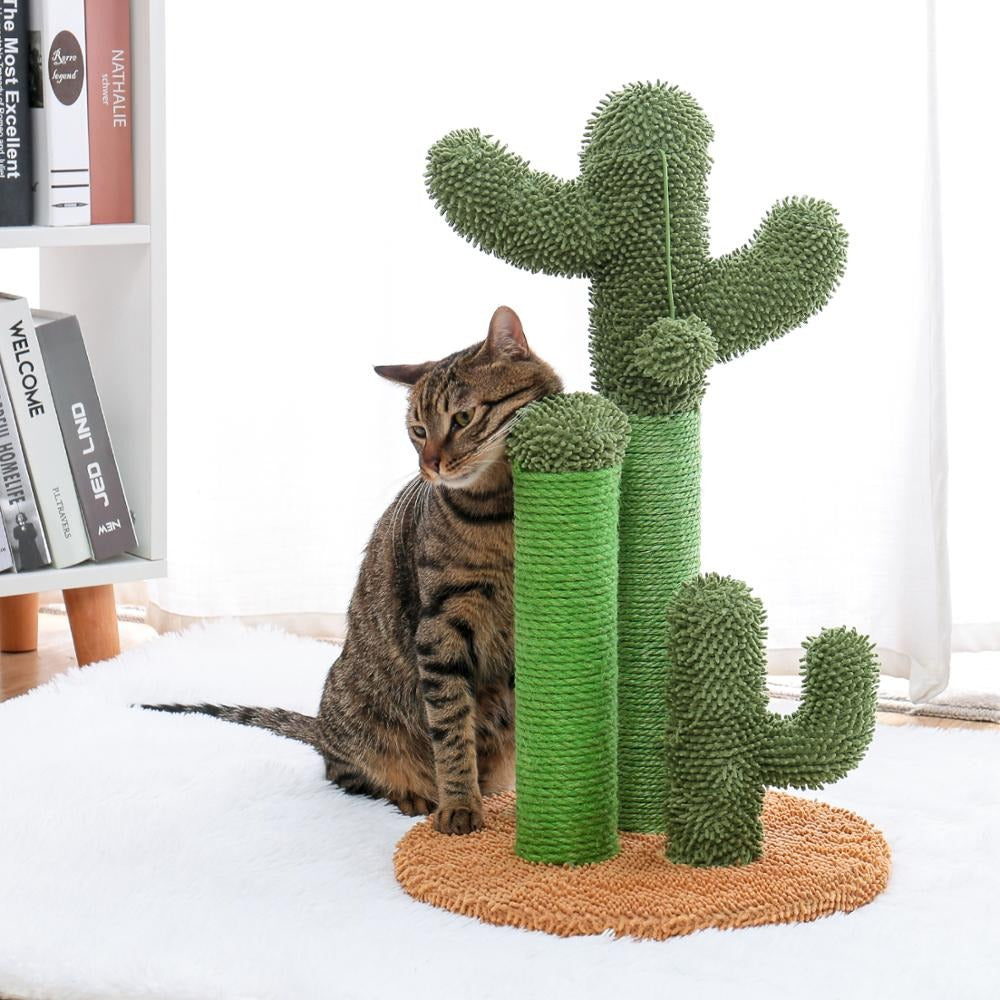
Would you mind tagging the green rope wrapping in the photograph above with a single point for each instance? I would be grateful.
(566, 453)
(724, 746)
(565, 581)
(659, 550)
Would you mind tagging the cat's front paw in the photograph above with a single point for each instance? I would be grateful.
(459, 819)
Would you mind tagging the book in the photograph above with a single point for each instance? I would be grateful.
(18, 510)
(16, 201)
(109, 110)
(41, 438)
(58, 88)
(85, 434)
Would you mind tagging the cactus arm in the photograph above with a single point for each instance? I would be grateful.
(780, 278)
(829, 734)
(497, 202)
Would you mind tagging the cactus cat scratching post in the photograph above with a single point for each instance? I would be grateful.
(566, 454)
(662, 312)
(696, 745)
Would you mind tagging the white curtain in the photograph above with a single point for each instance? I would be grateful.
(303, 250)
(969, 88)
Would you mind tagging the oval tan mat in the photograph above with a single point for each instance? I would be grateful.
(817, 860)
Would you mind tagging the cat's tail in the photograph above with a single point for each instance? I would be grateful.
(294, 725)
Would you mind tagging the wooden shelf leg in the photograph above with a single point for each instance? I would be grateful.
(19, 623)
(93, 620)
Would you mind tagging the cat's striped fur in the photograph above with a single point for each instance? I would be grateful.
(419, 707)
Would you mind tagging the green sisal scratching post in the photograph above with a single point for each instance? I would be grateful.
(658, 551)
(663, 311)
(566, 453)
(724, 746)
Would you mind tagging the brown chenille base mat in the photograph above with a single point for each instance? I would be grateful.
(817, 860)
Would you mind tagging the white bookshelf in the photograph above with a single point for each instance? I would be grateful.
(114, 279)
(20, 237)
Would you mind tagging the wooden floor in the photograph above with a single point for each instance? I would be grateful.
(20, 672)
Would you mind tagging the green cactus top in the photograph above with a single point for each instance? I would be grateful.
(635, 221)
(574, 432)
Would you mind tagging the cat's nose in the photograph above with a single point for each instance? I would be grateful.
(431, 458)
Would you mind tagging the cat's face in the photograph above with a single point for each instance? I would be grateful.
(460, 409)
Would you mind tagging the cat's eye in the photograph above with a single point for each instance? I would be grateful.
(419, 431)
(462, 418)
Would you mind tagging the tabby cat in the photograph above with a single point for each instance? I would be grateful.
(419, 706)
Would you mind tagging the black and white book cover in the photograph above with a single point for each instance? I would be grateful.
(41, 437)
(16, 199)
(58, 79)
(85, 434)
(21, 519)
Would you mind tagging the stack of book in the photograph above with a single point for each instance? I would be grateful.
(61, 495)
(66, 105)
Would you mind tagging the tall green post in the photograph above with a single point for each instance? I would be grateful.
(658, 550)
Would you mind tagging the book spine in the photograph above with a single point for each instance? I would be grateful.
(21, 519)
(16, 200)
(38, 425)
(59, 113)
(85, 434)
(109, 110)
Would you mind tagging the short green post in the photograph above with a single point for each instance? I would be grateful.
(566, 453)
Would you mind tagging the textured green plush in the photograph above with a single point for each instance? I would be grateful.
(663, 310)
(724, 746)
(635, 221)
(659, 533)
(575, 432)
(565, 585)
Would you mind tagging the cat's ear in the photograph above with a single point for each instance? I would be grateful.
(506, 337)
(404, 374)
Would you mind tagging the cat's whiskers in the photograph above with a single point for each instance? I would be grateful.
(418, 499)
(396, 533)
(404, 501)
(413, 497)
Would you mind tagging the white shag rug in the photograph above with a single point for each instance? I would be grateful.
(179, 857)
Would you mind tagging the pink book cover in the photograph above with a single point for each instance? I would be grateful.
(109, 106)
